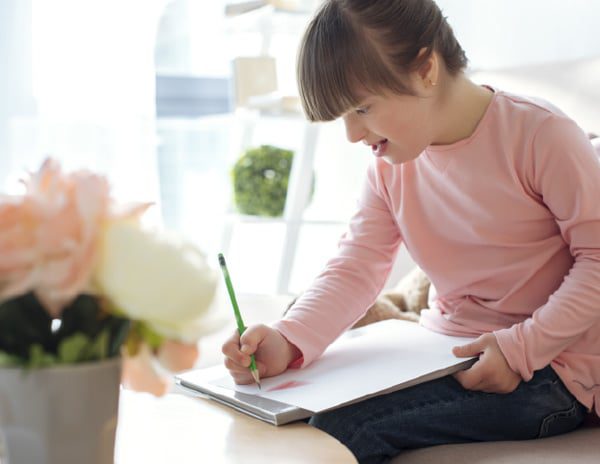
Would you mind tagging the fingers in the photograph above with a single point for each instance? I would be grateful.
(251, 338)
(237, 358)
(231, 349)
(240, 374)
(470, 349)
(486, 378)
(491, 373)
(237, 362)
(470, 379)
(477, 378)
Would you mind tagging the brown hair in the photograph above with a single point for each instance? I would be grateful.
(369, 44)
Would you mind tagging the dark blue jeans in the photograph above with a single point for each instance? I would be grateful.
(442, 412)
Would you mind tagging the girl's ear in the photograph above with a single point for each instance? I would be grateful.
(428, 71)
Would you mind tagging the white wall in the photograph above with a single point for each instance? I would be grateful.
(499, 34)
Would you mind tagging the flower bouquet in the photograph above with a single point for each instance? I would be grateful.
(82, 282)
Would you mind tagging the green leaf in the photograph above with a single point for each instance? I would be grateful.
(86, 316)
(39, 358)
(112, 308)
(99, 348)
(86, 333)
(83, 315)
(23, 323)
(152, 338)
(9, 360)
(119, 329)
(75, 348)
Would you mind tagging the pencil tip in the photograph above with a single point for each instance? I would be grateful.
(256, 376)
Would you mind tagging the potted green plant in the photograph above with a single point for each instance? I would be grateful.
(260, 180)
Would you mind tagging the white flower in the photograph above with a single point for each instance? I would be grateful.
(155, 278)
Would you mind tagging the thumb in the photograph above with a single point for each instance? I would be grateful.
(251, 338)
(468, 350)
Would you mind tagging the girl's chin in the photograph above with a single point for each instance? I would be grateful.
(393, 157)
(395, 160)
(391, 160)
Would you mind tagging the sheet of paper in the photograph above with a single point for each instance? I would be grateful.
(362, 362)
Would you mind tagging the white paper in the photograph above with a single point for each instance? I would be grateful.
(362, 362)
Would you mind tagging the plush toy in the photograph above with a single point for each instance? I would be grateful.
(405, 301)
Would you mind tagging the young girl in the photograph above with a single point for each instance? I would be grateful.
(496, 196)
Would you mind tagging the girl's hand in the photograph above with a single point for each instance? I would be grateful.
(272, 351)
(491, 373)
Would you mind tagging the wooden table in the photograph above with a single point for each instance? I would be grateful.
(180, 429)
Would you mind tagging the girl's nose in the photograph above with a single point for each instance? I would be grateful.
(355, 131)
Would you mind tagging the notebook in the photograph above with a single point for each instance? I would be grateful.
(372, 360)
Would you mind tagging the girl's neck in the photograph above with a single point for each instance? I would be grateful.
(462, 105)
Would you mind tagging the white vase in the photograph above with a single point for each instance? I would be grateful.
(59, 415)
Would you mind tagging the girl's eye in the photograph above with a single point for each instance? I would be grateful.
(362, 110)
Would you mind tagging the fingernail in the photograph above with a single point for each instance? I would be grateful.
(245, 349)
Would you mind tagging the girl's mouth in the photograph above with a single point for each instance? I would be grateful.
(379, 148)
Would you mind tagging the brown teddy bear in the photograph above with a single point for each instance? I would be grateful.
(405, 301)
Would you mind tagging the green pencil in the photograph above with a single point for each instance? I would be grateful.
(238, 316)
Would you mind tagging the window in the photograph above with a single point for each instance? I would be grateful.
(145, 96)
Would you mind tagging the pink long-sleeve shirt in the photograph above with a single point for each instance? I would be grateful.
(506, 224)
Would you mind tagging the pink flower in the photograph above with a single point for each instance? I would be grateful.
(49, 235)
(177, 356)
(141, 372)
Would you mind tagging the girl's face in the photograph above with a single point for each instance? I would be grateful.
(398, 128)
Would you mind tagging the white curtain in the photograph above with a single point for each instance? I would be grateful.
(78, 77)
(91, 79)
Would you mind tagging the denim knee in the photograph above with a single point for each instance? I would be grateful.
(353, 433)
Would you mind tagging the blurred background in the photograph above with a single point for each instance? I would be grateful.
(166, 96)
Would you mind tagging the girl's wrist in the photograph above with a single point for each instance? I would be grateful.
(294, 354)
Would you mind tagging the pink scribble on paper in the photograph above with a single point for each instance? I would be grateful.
(288, 385)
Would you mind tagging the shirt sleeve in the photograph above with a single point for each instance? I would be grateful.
(350, 281)
(565, 171)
